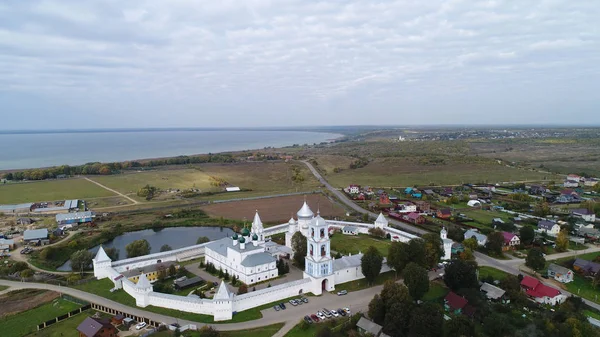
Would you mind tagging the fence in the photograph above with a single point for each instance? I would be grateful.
(48, 323)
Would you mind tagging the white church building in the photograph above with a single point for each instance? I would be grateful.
(251, 257)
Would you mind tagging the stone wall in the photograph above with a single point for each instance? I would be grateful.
(182, 254)
(276, 293)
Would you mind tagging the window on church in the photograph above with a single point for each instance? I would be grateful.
(323, 251)
(311, 250)
(322, 232)
(312, 232)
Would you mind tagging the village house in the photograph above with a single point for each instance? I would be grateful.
(152, 272)
(493, 293)
(590, 182)
(6, 245)
(584, 214)
(352, 189)
(74, 218)
(560, 273)
(384, 199)
(473, 233)
(454, 303)
(447, 192)
(585, 267)
(569, 183)
(444, 213)
(423, 206)
(540, 292)
(549, 227)
(368, 327)
(350, 230)
(573, 177)
(414, 218)
(406, 207)
(567, 195)
(511, 241)
(537, 190)
(97, 327)
(429, 193)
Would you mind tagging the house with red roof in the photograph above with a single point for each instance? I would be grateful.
(454, 303)
(444, 213)
(540, 292)
(511, 241)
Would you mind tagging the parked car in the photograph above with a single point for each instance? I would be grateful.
(342, 292)
(299, 302)
(282, 306)
(334, 313)
(304, 299)
(347, 310)
(215, 284)
(293, 302)
(314, 318)
(320, 315)
(327, 314)
(307, 319)
(140, 326)
(276, 307)
(341, 312)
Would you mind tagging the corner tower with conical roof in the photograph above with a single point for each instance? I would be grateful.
(223, 303)
(381, 221)
(101, 262)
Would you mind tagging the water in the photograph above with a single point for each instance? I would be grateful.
(176, 237)
(31, 150)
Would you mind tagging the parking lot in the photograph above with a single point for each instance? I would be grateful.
(319, 314)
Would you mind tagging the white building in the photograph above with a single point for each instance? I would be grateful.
(408, 208)
(481, 238)
(244, 256)
(584, 214)
(350, 230)
(319, 264)
(447, 243)
(569, 183)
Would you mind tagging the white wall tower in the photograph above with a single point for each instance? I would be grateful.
(292, 229)
(319, 264)
(447, 243)
(101, 264)
(381, 221)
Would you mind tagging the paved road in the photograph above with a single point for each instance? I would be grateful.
(343, 198)
(110, 189)
(17, 256)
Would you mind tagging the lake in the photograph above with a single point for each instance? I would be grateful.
(176, 237)
(32, 150)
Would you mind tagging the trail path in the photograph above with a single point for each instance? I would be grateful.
(110, 189)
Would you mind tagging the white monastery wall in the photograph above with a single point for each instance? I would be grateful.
(353, 273)
(182, 303)
(181, 254)
(272, 294)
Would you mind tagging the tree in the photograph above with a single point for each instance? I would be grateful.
(377, 310)
(494, 243)
(209, 331)
(73, 277)
(456, 234)
(299, 247)
(427, 320)
(202, 239)
(165, 248)
(81, 260)
(535, 259)
(467, 255)
(459, 326)
(461, 274)
(398, 311)
(147, 192)
(417, 280)
(526, 234)
(137, 248)
(471, 243)
(497, 325)
(562, 241)
(242, 289)
(398, 256)
(324, 331)
(371, 264)
(172, 270)
(112, 252)
(26, 273)
(433, 249)
(596, 280)
(416, 251)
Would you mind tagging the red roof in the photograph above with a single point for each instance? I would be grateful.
(445, 211)
(537, 289)
(454, 301)
(414, 215)
(508, 236)
(529, 282)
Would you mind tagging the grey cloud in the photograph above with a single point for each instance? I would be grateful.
(287, 62)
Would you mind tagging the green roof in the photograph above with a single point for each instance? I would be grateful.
(235, 236)
(242, 240)
(245, 232)
(254, 237)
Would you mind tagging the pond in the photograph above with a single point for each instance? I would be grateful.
(176, 237)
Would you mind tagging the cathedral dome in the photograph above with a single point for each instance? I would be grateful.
(235, 236)
(254, 237)
(242, 240)
(245, 232)
(292, 221)
(305, 212)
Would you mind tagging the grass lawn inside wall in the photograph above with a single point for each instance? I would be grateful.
(436, 292)
(25, 323)
(65, 328)
(362, 283)
(346, 244)
(102, 288)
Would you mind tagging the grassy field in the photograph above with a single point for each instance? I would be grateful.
(398, 172)
(497, 274)
(362, 283)
(26, 322)
(96, 203)
(261, 178)
(66, 328)
(485, 217)
(583, 287)
(51, 190)
(3, 288)
(346, 244)
(265, 331)
(436, 292)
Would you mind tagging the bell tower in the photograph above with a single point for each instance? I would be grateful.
(319, 264)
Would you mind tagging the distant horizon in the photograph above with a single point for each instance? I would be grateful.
(298, 128)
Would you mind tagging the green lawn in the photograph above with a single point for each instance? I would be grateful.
(3, 288)
(436, 291)
(265, 331)
(362, 283)
(50, 190)
(346, 244)
(583, 287)
(593, 314)
(497, 274)
(66, 328)
(24, 323)
(485, 217)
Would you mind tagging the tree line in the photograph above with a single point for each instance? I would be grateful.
(97, 168)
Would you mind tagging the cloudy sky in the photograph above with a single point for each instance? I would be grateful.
(177, 63)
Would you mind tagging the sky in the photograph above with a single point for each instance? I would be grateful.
(74, 64)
